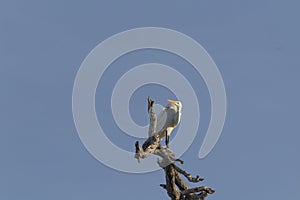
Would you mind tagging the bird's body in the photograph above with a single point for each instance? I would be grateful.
(168, 119)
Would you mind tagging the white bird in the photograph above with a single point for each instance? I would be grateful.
(168, 119)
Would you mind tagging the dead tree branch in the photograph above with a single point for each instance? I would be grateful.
(176, 188)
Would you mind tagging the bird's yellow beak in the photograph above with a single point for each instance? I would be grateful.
(172, 101)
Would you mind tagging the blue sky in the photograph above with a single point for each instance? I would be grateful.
(255, 45)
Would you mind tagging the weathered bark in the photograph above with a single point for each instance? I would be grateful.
(176, 188)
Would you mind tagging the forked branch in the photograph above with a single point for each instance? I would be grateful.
(176, 188)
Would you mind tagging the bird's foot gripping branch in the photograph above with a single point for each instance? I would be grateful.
(176, 188)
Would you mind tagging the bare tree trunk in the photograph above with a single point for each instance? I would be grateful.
(176, 188)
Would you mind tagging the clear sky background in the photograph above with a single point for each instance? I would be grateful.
(255, 44)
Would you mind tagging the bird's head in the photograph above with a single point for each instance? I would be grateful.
(176, 103)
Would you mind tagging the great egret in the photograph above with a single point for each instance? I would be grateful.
(168, 119)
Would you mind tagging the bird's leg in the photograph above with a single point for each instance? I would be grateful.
(167, 139)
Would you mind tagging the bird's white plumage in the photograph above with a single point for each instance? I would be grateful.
(161, 120)
(168, 119)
